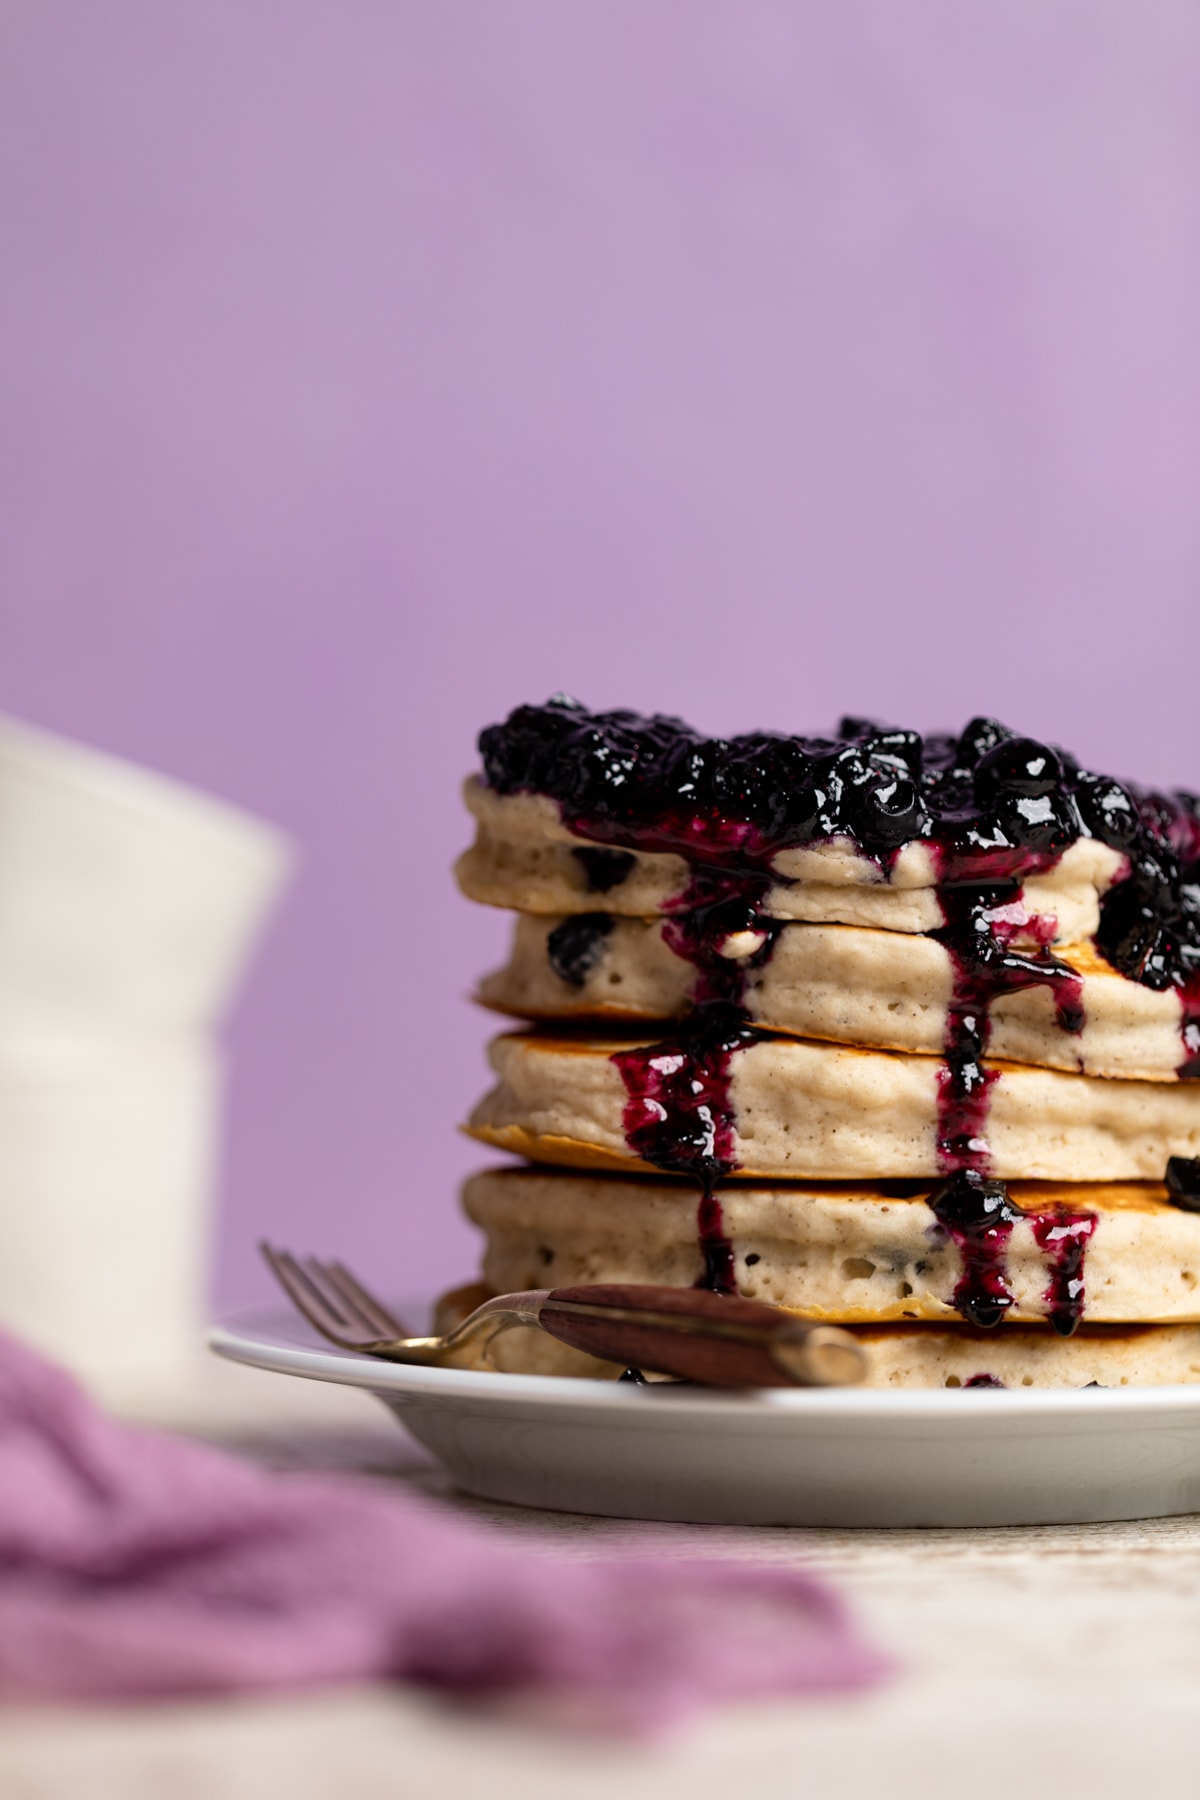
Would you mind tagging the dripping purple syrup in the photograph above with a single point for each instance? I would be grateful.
(990, 806)
(992, 809)
(978, 1217)
(1063, 1235)
(980, 926)
(720, 1272)
(1189, 997)
(716, 905)
(679, 1117)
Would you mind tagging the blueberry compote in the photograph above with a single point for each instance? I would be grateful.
(978, 1216)
(981, 924)
(991, 807)
(1062, 1233)
(719, 925)
(679, 1117)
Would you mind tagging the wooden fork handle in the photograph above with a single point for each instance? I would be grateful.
(719, 1340)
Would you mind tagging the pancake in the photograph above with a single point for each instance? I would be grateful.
(876, 989)
(1111, 1357)
(933, 1356)
(524, 857)
(794, 1109)
(848, 1254)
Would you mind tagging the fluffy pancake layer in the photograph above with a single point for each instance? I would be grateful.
(1108, 1356)
(879, 989)
(798, 1110)
(850, 1254)
(526, 858)
(926, 1356)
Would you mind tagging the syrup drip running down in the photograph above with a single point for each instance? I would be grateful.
(1189, 996)
(720, 910)
(679, 1117)
(1064, 1236)
(992, 808)
(720, 1271)
(980, 927)
(978, 1216)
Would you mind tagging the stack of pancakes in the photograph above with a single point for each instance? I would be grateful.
(895, 1032)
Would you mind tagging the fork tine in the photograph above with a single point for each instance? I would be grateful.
(306, 1294)
(324, 1279)
(369, 1305)
(302, 1276)
(308, 1298)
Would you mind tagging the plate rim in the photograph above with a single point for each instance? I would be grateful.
(245, 1336)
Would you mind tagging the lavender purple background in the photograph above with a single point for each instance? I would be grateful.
(371, 367)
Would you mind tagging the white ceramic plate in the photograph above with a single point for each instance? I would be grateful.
(778, 1457)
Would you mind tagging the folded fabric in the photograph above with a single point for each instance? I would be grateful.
(134, 1564)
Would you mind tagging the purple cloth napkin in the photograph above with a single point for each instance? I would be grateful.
(133, 1563)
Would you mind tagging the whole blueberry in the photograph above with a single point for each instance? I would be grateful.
(885, 811)
(977, 738)
(576, 945)
(1107, 809)
(1183, 1183)
(1020, 767)
(906, 747)
(972, 1203)
(1046, 823)
(883, 743)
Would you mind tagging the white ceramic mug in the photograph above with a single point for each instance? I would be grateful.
(107, 1165)
(127, 902)
(128, 908)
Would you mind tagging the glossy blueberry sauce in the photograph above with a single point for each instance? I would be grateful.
(964, 1097)
(992, 808)
(1063, 1235)
(720, 1275)
(679, 1117)
(990, 805)
(980, 926)
(983, 1381)
(978, 1217)
(1190, 996)
(716, 906)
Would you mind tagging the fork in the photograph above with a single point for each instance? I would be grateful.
(714, 1339)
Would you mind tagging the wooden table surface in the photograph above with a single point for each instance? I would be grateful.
(1038, 1661)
